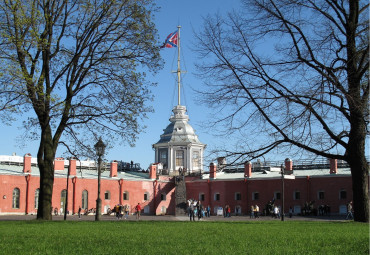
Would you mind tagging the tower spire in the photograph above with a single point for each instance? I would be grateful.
(178, 67)
(178, 71)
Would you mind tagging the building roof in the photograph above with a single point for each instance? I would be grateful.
(13, 165)
(179, 131)
(319, 172)
(6, 169)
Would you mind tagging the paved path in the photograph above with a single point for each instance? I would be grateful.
(175, 218)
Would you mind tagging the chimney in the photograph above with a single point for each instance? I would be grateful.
(288, 166)
(248, 169)
(113, 168)
(212, 171)
(333, 166)
(153, 171)
(59, 164)
(221, 162)
(72, 166)
(27, 163)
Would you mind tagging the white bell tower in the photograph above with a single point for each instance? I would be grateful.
(179, 148)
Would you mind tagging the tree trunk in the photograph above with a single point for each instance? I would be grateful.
(359, 168)
(45, 160)
(360, 189)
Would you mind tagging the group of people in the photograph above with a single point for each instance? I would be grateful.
(195, 208)
(124, 211)
(255, 211)
(121, 211)
(227, 211)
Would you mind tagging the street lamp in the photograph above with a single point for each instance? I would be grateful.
(99, 149)
(282, 188)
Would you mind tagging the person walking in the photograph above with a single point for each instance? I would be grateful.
(191, 212)
(200, 210)
(79, 212)
(349, 211)
(116, 210)
(276, 212)
(290, 212)
(127, 211)
(257, 211)
(138, 211)
(228, 212)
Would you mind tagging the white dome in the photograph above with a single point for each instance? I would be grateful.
(179, 130)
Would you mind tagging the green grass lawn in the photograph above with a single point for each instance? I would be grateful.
(161, 237)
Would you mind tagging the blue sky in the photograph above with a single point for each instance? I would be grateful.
(188, 14)
(172, 13)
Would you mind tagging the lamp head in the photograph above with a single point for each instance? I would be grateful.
(99, 147)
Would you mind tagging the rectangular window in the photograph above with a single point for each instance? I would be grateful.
(297, 195)
(343, 194)
(255, 196)
(125, 196)
(217, 197)
(163, 196)
(107, 195)
(277, 195)
(238, 196)
(163, 158)
(146, 196)
(201, 197)
(179, 158)
(321, 195)
(196, 161)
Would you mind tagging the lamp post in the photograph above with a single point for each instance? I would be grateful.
(282, 188)
(99, 149)
(66, 202)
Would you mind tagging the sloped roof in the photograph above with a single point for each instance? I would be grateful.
(179, 131)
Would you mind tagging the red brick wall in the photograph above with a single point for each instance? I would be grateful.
(266, 188)
(308, 188)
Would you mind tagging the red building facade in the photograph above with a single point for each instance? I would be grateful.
(156, 193)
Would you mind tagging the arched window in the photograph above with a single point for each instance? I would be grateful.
(16, 194)
(84, 204)
(126, 195)
(63, 196)
(37, 194)
(107, 195)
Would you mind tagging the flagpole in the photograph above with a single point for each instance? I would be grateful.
(178, 66)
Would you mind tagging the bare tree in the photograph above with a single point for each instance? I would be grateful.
(293, 73)
(74, 64)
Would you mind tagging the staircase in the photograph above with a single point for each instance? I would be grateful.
(180, 195)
